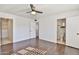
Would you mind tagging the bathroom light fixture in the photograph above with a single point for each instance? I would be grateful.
(63, 24)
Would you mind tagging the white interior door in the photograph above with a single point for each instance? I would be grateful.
(72, 31)
(32, 32)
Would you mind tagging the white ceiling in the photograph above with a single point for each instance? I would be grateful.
(48, 9)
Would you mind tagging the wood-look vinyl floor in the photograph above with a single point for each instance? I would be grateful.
(52, 48)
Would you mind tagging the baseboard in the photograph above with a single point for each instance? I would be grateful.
(23, 40)
(17, 41)
(72, 47)
(61, 44)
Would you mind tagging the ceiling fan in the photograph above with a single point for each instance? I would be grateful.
(33, 11)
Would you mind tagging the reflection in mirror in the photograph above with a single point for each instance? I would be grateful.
(61, 31)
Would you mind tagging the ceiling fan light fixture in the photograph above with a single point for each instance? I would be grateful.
(33, 12)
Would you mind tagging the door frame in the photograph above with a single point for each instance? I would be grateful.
(65, 31)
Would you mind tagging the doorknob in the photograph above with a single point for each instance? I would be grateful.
(77, 33)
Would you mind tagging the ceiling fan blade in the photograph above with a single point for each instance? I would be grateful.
(38, 11)
(32, 7)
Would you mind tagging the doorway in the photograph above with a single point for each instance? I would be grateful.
(6, 31)
(61, 31)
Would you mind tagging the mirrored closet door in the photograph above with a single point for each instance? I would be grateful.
(6, 28)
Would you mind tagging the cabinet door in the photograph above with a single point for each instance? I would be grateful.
(72, 30)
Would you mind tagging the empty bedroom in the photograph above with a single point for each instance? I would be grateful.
(39, 29)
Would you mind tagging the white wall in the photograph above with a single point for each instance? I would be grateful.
(21, 27)
(48, 27)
